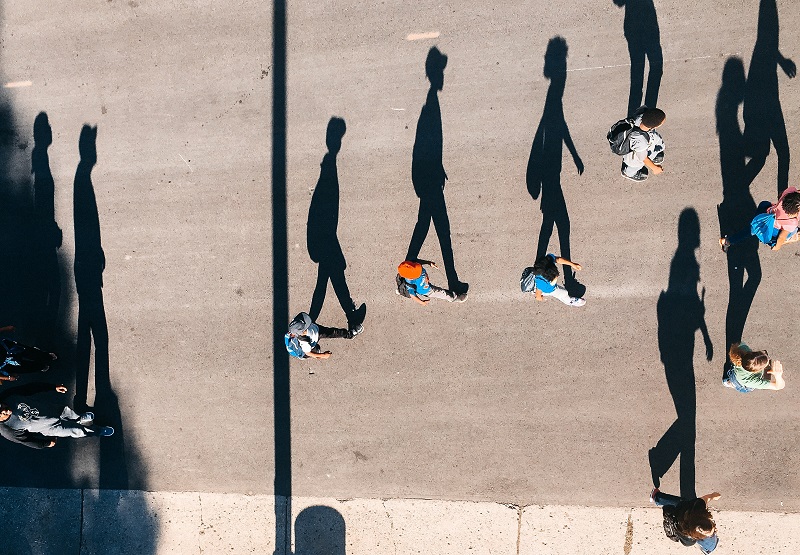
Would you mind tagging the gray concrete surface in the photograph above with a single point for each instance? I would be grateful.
(215, 523)
(498, 399)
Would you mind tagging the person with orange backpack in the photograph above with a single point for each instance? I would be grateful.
(413, 282)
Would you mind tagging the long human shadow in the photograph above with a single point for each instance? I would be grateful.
(90, 262)
(738, 206)
(681, 312)
(543, 175)
(322, 229)
(428, 175)
(320, 530)
(644, 42)
(763, 117)
(47, 237)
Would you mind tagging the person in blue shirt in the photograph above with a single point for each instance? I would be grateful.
(413, 282)
(546, 275)
(302, 339)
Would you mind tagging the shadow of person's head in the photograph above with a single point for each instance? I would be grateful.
(87, 145)
(319, 530)
(689, 229)
(42, 133)
(733, 79)
(434, 68)
(334, 134)
(555, 58)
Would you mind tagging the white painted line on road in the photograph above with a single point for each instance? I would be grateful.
(422, 36)
(399, 109)
(187, 163)
(665, 61)
(18, 84)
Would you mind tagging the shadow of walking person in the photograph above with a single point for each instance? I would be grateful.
(738, 206)
(320, 530)
(543, 175)
(681, 312)
(322, 239)
(763, 116)
(47, 236)
(644, 41)
(90, 262)
(428, 175)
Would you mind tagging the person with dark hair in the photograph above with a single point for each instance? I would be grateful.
(22, 423)
(21, 359)
(688, 521)
(302, 339)
(413, 282)
(752, 370)
(786, 214)
(545, 271)
(647, 145)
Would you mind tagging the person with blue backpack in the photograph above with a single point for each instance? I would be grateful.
(542, 280)
(774, 224)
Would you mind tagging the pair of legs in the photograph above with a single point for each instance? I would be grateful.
(706, 545)
(562, 295)
(70, 424)
(332, 268)
(635, 169)
(432, 207)
(337, 333)
(445, 294)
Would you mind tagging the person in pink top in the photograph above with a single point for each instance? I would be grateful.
(786, 212)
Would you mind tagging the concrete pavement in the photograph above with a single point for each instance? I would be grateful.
(86, 522)
(498, 400)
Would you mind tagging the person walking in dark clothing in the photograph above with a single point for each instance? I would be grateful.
(21, 359)
(428, 175)
(322, 240)
(22, 423)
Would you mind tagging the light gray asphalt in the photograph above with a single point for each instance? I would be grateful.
(496, 399)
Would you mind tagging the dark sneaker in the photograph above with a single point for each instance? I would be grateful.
(460, 298)
(86, 419)
(659, 158)
(106, 431)
(356, 318)
(641, 175)
(45, 369)
(355, 331)
(460, 287)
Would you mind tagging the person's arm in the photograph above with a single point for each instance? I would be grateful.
(572, 150)
(776, 376)
(430, 263)
(652, 166)
(710, 497)
(7, 328)
(28, 389)
(324, 355)
(539, 296)
(423, 302)
(782, 236)
(566, 262)
(787, 65)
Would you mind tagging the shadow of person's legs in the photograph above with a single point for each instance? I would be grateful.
(421, 229)
(655, 59)
(637, 54)
(320, 291)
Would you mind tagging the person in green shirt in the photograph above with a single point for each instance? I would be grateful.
(752, 370)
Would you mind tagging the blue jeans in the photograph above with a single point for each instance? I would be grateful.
(730, 377)
(706, 545)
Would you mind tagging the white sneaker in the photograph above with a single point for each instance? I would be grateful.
(575, 301)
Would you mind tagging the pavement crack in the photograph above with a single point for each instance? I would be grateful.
(628, 536)
(519, 527)
(202, 525)
(391, 525)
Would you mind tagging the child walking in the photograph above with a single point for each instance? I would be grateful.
(688, 521)
(784, 216)
(413, 282)
(752, 370)
(545, 272)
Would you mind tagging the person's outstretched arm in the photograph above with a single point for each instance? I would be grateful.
(566, 262)
(782, 237)
(710, 497)
(776, 376)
